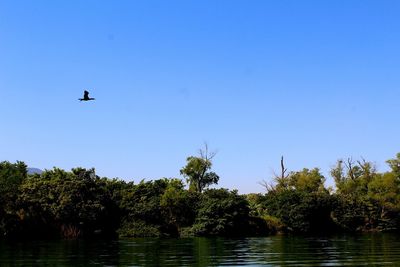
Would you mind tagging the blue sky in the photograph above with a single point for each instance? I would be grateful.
(313, 81)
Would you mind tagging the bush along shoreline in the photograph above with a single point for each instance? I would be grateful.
(78, 204)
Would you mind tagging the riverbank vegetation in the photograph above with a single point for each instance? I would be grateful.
(80, 204)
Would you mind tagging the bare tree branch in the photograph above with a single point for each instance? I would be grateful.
(269, 186)
(279, 180)
(205, 154)
(349, 166)
(283, 169)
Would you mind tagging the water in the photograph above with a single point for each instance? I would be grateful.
(361, 250)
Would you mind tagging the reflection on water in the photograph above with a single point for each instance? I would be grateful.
(372, 249)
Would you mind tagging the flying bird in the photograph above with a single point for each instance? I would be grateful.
(86, 96)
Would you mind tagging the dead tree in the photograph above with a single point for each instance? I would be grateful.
(279, 180)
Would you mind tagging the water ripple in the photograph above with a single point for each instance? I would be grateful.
(360, 250)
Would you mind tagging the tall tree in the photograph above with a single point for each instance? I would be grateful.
(395, 165)
(305, 180)
(197, 170)
(352, 178)
(279, 182)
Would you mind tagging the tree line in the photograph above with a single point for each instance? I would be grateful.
(80, 204)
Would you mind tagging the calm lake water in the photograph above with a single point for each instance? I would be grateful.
(361, 250)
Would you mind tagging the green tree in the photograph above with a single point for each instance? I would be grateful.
(221, 212)
(197, 171)
(297, 201)
(394, 164)
(349, 212)
(367, 200)
(255, 202)
(301, 211)
(141, 210)
(307, 180)
(384, 194)
(11, 177)
(72, 203)
(352, 178)
(178, 206)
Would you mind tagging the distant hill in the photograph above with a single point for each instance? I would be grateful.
(34, 171)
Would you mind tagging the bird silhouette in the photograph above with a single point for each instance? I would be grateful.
(86, 96)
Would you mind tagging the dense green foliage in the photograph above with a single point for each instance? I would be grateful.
(11, 178)
(77, 203)
(221, 212)
(198, 175)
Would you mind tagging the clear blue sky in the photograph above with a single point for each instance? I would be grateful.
(314, 81)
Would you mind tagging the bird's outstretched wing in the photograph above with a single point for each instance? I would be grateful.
(86, 96)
